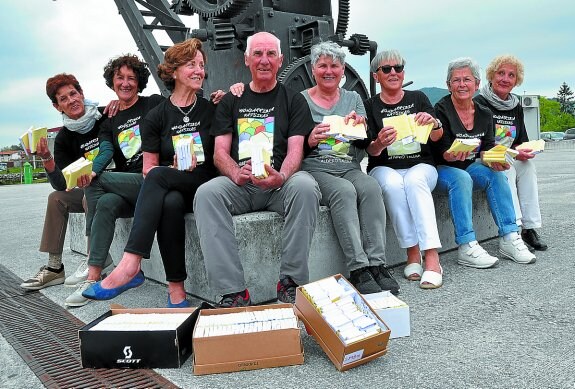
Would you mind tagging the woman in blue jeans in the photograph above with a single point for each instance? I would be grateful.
(460, 173)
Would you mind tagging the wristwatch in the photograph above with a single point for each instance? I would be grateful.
(439, 125)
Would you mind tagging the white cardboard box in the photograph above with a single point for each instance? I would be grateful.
(393, 311)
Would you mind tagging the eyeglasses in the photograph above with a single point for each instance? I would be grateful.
(386, 69)
(466, 80)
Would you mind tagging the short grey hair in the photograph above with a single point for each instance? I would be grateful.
(328, 49)
(463, 62)
(383, 56)
(249, 43)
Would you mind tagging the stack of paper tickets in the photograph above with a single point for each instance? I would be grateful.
(338, 129)
(76, 169)
(464, 145)
(500, 154)
(407, 128)
(536, 146)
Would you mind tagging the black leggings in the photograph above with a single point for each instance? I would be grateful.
(166, 196)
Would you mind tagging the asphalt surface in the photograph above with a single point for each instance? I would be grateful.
(508, 327)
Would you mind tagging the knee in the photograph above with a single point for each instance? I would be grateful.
(207, 194)
(109, 203)
(368, 187)
(345, 193)
(174, 202)
(304, 187)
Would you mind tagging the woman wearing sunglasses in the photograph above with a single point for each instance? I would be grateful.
(404, 167)
(462, 172)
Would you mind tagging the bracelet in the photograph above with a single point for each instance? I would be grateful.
(51, 157)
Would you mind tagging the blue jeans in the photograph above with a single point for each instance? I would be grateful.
(459, 185)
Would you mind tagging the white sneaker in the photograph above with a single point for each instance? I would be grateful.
(81, 273)
(473, 255)
(76, 299)
(516, 250)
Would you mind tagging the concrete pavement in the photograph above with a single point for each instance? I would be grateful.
(508, 327)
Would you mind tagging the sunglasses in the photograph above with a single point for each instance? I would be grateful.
(386, 69)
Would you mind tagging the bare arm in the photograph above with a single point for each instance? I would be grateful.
(151, 160)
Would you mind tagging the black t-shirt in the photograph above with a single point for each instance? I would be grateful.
(509, 125)
(70, 145)
(278, 114)
(164, 125)
(123, 132)
(398, 155)
(454, 128)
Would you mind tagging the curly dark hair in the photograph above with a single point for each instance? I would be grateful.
(176, 56)
(132, 61)
(58, 81)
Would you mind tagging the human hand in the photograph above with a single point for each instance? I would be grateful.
(499, 167)
(243, 174)
(318, 134)
(386, 136)
(85, 180)
(112, 108)
(237, 89)
(524, 154)
(423, 118)
(357, 119)
(216, 96)
(274, 180)
(458, 156)
(42, 150)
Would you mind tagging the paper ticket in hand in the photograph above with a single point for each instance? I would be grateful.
(29, 140)
(76, 169)
(464, 145)
(260, 158)
(536, 146)
(184, 149)
(407, 128)
(349, 131)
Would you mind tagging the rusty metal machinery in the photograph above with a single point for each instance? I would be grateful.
(225, 25)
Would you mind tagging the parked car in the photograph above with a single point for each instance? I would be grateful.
(552, 136)
(569, 134)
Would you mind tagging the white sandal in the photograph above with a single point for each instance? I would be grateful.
(431, 279)
(413, 271)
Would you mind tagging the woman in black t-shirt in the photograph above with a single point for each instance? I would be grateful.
(504, 73)
(167, 193)
(462, 172)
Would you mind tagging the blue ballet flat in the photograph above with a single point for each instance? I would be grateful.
(96, 292)
(184, 304)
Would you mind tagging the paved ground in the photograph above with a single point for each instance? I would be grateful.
(508, 327)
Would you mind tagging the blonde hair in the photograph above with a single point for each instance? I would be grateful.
(500, 60)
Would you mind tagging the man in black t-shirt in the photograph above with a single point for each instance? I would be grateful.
(277, 119)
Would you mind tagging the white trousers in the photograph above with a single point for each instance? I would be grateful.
(408, 201)
(522, 178)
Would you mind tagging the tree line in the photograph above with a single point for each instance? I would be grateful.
(558, 114)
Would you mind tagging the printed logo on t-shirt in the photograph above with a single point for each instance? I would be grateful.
(251, 132)
(91, 155)
(399, 149)
(197, 143)
(504, 134)
(130, 141)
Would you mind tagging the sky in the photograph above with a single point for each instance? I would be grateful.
(40, 38)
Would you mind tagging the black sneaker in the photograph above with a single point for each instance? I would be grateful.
(532, 238)
(286, 290)
(238, 299)
(363, 281)
(384, 279)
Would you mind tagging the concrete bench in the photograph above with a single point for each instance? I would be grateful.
(261, 257)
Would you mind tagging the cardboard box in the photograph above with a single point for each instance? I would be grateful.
(137, 349)
(396, 317)
(344, 357)
(250, 351)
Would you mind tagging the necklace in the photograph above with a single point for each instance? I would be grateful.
(186, 118)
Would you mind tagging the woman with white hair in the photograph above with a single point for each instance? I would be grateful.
(354, 198)
(504, 73)
(405, 170)
(460, 173)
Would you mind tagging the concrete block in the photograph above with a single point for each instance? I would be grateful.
(261, 258)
